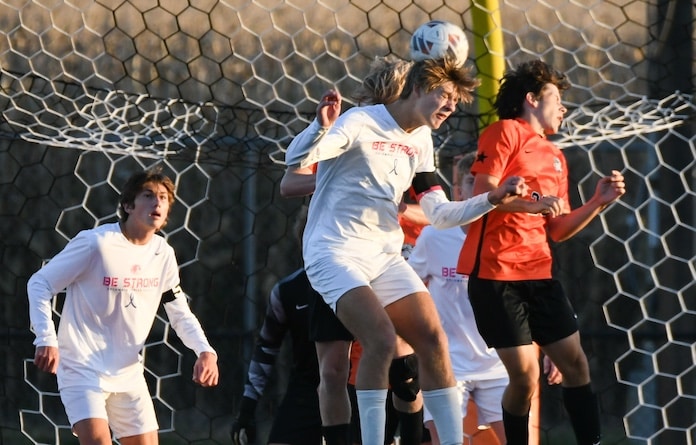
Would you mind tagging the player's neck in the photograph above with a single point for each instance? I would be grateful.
(403, 113)
(136, 234)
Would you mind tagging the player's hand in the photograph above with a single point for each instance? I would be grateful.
(46, 358)
(508, 191)
(553, 375)
(205, 370)
(243, 426)
(243, 434)
(329, 108)
(610, 188)
(550, 206)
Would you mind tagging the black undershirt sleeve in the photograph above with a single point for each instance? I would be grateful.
(171, 294)
(424, 181)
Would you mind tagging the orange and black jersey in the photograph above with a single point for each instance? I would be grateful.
(514, 246)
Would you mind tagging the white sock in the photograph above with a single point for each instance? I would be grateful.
(445, 406)
(373, 416)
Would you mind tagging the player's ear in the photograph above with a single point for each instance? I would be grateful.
(531, 99)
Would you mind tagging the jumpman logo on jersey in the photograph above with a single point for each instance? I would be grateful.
(131, 302)
(393, 170)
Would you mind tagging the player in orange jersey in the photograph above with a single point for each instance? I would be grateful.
(507, 255)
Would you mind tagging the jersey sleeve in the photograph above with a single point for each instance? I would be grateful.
(335, 141)
(440, 211)
(273, 331)
(316, 143)
(184, 322)
(427, 158)
(496, 144)
(300, 146)
(65, 268)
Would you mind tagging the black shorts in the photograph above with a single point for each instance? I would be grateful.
(324, 325)
(515, 313)
(297, 420)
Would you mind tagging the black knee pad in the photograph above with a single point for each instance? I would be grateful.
(403, 377)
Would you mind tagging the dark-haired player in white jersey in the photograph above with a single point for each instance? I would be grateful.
(116, 276)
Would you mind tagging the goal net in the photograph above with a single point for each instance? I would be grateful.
(214, 91)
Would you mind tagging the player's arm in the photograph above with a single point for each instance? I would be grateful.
(189, 330)
(413, 213)
(297, 182)
(608, 190)
(443, 213)
(266, 351)
(46, 355)
(52, 278)
(484, 183)
(303, 148)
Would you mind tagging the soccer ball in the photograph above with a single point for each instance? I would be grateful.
(438, 39)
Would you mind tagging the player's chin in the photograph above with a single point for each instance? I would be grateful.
(554, 128)
(437, 122)
(159, 224)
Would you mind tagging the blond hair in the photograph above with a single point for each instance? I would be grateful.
(430, 74)
(384, 82)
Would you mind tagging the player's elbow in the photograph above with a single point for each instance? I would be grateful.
(293, 191)
(285, 191)
(558, 235)
(289, 189)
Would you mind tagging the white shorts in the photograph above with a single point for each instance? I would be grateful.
(128, 413)
(388, 274)
(486, 394)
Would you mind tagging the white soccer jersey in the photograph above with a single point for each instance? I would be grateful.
(366, 163)
(113, 290)
(434, 258)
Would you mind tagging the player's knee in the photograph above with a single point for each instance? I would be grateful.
(433, 342)
(524, 382)
(403, 377)
(335, 373)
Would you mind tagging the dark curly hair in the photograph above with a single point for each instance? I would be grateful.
(527, 77)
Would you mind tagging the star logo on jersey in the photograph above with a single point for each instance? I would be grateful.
(481, 157)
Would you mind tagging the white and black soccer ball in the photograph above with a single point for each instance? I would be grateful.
(438, 39)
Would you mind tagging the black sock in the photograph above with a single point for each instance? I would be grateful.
(583, 410)
(411, 427)
(336, 434)
(516, 428)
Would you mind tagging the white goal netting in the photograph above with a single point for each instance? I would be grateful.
(215, 90)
